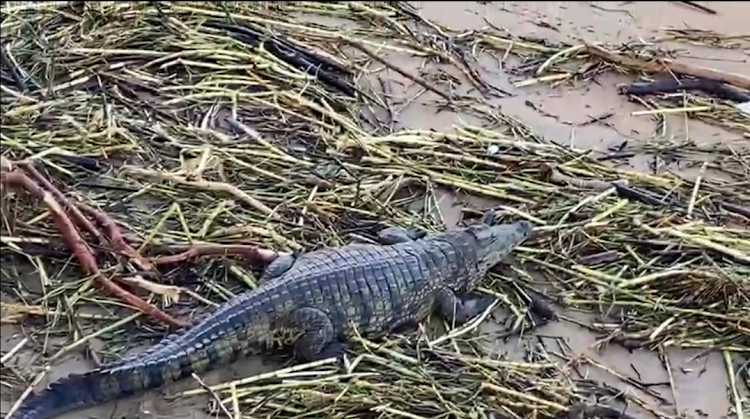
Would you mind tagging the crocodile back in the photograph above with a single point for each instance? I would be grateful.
(372, 287)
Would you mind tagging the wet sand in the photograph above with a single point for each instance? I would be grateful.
(700, 383)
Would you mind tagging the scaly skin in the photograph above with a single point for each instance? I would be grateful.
(315, 302)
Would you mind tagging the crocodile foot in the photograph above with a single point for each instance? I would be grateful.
(318, 340)
(404, 327)
(335, 349)
(460, 310)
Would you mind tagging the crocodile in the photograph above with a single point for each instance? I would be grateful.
(312, 303)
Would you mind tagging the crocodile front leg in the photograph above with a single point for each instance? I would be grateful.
(488, 217)
(318, 340)
(394, 235)
(452, 307)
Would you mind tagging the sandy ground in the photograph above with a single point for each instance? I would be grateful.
(700, 384)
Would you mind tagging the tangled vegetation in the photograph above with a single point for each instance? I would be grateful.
(183, 140)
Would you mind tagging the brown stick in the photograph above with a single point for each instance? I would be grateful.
(78, 247)
(71, 209)
(115, 236)
(251, 252)
(735, 79)
(551, 174)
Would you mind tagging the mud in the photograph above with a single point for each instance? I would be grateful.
(561, 115)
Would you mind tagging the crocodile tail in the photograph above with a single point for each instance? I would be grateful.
(73, 392)
(79, 391)
(89, 389)
(220, 339)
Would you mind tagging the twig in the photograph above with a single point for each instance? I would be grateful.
(699, 7)
(727, 355)
(670, 85)
(253, 252)
(85, 339)
(551, 60)
(260, 377)
(646, 197)
(736, 254)
(213, 394)
(529, 397)
(668, 367)
(76, 215)
(466, 328)
(7, 356)
(115, 236)
(697, 186)
(29, 390)
(420, 81)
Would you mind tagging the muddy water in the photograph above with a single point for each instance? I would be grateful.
(700, 383)
(563, 115)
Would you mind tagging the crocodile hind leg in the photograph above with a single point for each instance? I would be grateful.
(394, 235)
(318, 339)
(452, 307)
(277, 268)
(404, 326)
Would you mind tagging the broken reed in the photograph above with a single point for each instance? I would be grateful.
(166, 127)
(427, 376)
(394, 381)
(110, 84)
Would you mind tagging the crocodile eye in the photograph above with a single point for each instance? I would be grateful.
(488, 217)
(478, 231)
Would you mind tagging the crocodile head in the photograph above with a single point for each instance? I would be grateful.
(495, 242)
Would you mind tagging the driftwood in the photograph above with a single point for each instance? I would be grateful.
(710, 87)
(676, 67)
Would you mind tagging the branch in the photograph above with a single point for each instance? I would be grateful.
(112, 231)
(78, 247)
(207, 249)
(75, 213)
(550, 173)
(115, 236)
